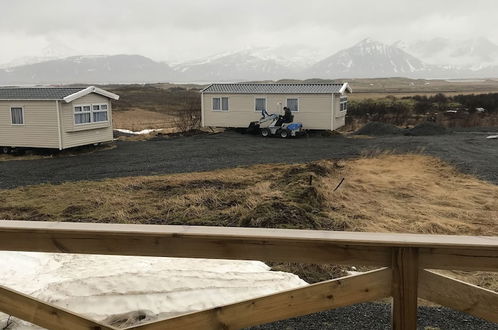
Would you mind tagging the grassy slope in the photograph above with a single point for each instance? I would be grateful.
(397, 193)
(407, 193)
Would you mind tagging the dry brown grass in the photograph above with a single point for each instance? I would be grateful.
(413, 193)
(139, 119)
(383, 193)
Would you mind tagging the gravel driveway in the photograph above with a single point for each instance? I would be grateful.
(471, 152)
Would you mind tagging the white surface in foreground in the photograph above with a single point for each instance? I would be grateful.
(101, 286)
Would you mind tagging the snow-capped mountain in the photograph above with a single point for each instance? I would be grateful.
(436, 58)
(89, 69)
(471, 54)
(368, 58)
(242, 65)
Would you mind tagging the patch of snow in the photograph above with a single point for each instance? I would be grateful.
(142, 132)
(101, 286)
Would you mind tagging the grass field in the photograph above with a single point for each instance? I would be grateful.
(385, 193)
(139, 119)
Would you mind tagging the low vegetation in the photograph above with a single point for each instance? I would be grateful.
(382, 193)
(155, 98)
(451, 111)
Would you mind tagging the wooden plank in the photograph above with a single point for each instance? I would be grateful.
(43, 314)
(458, 295)
(310, 299)
(244, 243)
(459, 259)
(349, 238)
(404, 288)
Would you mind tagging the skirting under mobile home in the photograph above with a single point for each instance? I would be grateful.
(57, 118)
(316, 106)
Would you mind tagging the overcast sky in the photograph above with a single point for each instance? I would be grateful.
(181, 30)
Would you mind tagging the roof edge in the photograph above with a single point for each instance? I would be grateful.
(89, 90)
(345, 87)
(204, 89)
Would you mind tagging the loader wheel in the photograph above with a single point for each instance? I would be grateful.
(284, 133)
(265, 132)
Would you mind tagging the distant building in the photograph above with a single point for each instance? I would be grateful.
(480, 110)
(316, 106)
(56, 118)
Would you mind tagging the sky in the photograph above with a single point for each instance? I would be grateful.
(176, 31)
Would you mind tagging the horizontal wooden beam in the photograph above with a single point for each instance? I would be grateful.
(458, 295)
(44, 314)
(485, 259)
(285, 245)
(297, 302)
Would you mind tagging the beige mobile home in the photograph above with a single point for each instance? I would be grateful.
(56, 118)
(316, 106)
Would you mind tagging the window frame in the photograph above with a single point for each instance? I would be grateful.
(22, 113)
(91, 112)
(293, 98)
(255, 103)
(100, 111)
(221, 103)
(343, 103)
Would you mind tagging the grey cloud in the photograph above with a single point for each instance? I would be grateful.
(170, 30)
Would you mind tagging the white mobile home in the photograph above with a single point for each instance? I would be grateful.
(56, 118)
(316, 106)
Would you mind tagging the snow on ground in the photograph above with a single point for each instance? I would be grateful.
(101, 286)
(142, 132)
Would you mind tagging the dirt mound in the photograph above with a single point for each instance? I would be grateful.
(378, 128)
(279, 214)
(428, 128)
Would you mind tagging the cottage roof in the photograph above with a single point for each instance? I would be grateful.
(67, 94)
(252, 88)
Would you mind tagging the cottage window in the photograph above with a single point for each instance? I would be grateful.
(343, 103)
(17, 115)
(293, 104)
(91, 113)
(82, 114)
(220, 103)
(99, 112)
(260, 104)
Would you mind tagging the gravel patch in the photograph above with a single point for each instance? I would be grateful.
(470, 152)
(377, 316)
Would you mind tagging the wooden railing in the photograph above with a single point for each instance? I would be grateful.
(404, 259)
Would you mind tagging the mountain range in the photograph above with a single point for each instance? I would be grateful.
(436, 58)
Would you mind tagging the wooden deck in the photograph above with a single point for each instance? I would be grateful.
(404, 260)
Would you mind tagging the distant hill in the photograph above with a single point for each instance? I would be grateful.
(237, 66)
(368, 58)
(436, 58)
(89, 69)
(472, 54)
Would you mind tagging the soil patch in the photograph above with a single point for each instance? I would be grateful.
(376, 128)
(428, 128)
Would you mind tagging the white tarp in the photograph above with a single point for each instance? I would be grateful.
(101, 286)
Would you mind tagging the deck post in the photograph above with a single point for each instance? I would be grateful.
(404, 288)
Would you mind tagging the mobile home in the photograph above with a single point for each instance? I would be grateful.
(316, 106)
(56, 118)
